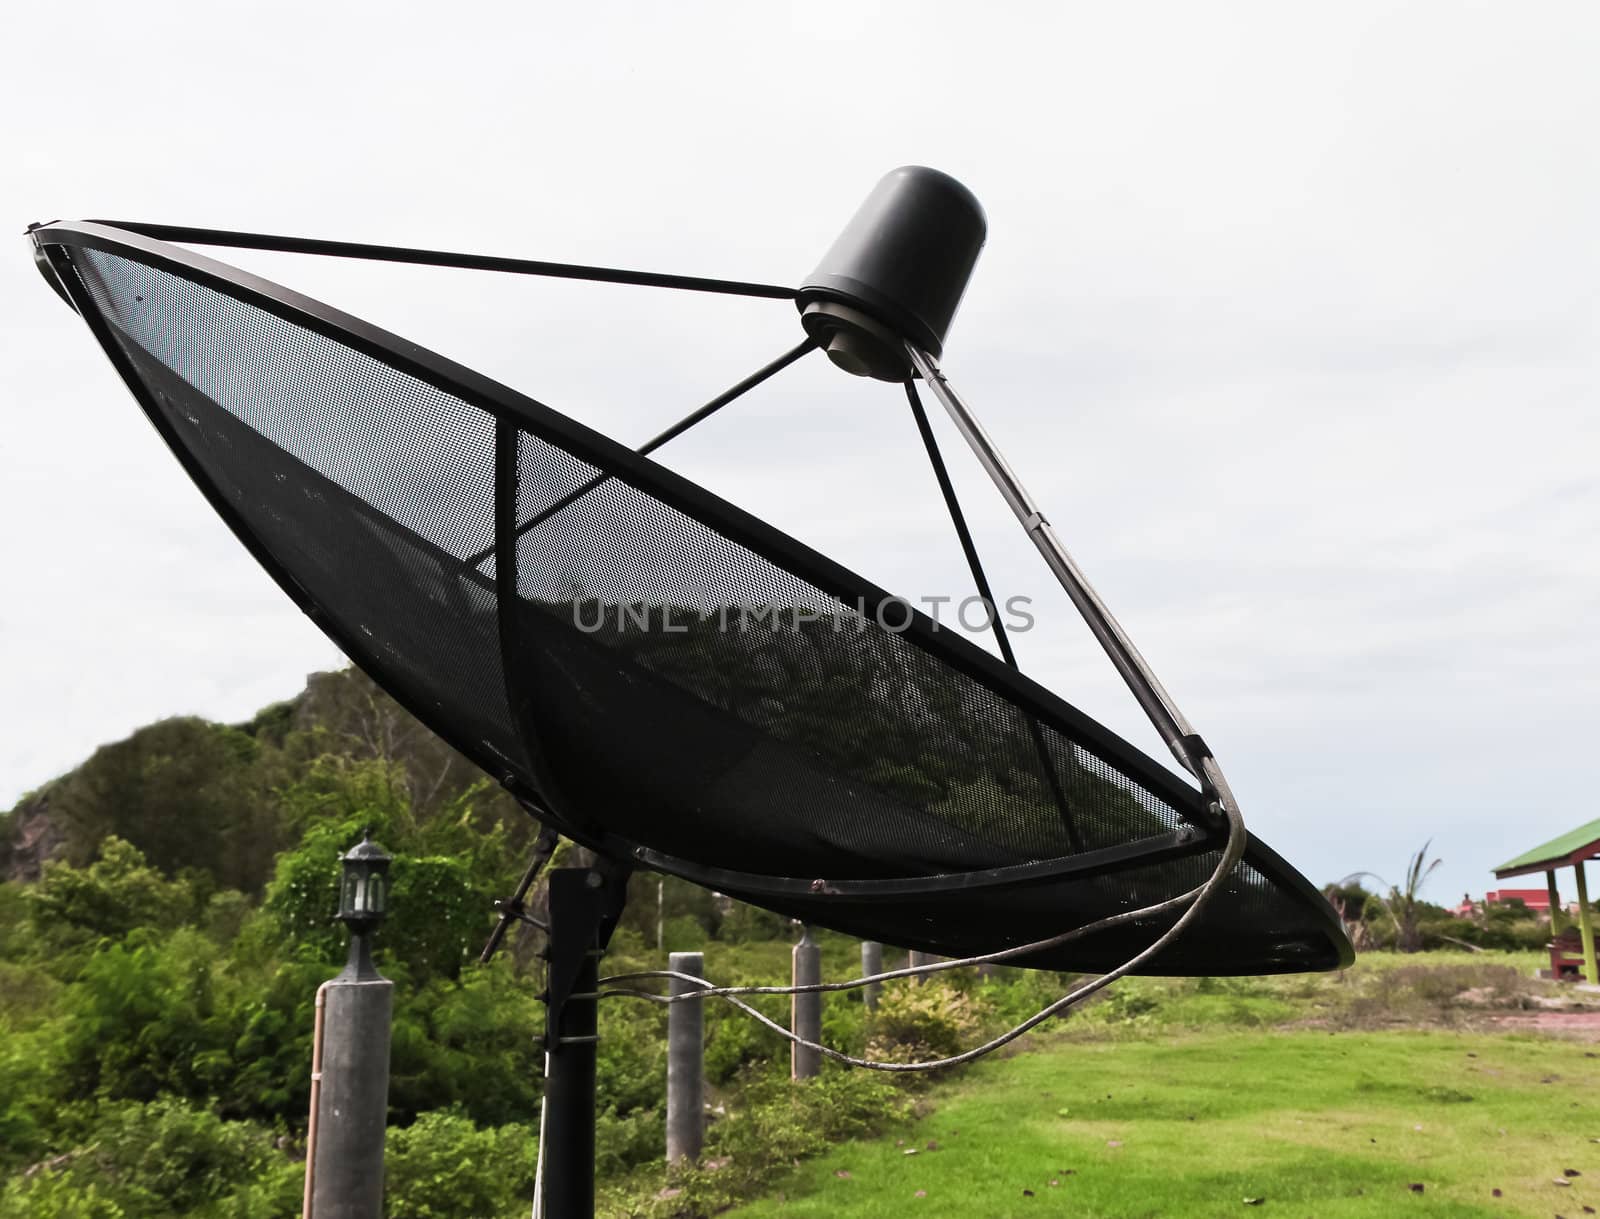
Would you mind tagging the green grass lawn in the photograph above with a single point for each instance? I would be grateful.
(1311, 1123)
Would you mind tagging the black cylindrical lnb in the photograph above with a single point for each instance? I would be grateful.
(896, 273)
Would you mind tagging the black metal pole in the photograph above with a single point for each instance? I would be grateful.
(570, 1036)
(585, 904)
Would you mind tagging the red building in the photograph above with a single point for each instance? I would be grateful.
(1537, 900)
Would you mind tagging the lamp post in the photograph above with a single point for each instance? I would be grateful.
(350, 1055)
(363, 899)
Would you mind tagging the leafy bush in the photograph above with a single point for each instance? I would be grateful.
(624, 1142)
(775, 1122)
(441, 918)
(49, 1194)
(117, 893)
(745, 923)
(631, 1064)
(439, 903)
(18, 937)
(225, 915)
(1011, 995)
(684, 933)
(159, 1159)
(469, 1045)
(1500, 926)
(779, 1120)
(27, 994)
(443, 1166)
(926, 1019)
(844, 1022)
(263, 1070)
(143, 1018)
(733, 1043)
(31, 1089)
(1122, 1003)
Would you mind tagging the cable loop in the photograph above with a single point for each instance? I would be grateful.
(1196, 900)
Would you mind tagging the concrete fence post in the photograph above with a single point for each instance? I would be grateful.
(805, 1012)
(920, 958)
(871, 963)
(686, 1056)
(352, 1093)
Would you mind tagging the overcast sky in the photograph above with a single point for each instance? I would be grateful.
(1288, 316)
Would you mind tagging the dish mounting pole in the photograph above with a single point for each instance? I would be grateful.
(585, 904)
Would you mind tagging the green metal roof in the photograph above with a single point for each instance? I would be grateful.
(1556, 853)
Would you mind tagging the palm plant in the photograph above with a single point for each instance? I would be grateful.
(1403, 905)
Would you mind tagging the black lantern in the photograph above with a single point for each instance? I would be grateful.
(364, 892)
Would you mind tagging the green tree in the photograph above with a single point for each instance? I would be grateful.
(1404, 905)
(183, 791)
(442, 882)
(115, 894)
(143, 1019)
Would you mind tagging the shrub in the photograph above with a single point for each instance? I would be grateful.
(930, 1019)
(159, 1159)
(263, 1067)
(745, 923)
(468, 1045)
(1012, 995)
(684, 933)
(776, 1122)
(439, 903)
(733, 1043)
(442, 1166)
(621, 1143)
(1432, 992)
(49, 1194)
(30, 1089)
(115, 894)
(224, 915)
(143, 1019)
(844, 1022)
(631, 1066)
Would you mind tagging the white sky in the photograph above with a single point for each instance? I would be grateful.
(1288, 316)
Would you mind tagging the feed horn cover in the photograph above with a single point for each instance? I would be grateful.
(615, 662)
(896, 273)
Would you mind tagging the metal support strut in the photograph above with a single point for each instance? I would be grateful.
(958, 518)
(655, 442)
(513, 909)
(445, 258)
(1187, 747)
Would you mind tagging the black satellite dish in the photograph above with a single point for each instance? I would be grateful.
(598, 632)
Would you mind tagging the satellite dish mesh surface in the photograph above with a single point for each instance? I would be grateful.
(665, 677)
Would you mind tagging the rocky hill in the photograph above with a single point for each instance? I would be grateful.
(193, 794)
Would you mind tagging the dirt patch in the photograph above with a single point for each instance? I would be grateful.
(1578, 1026)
